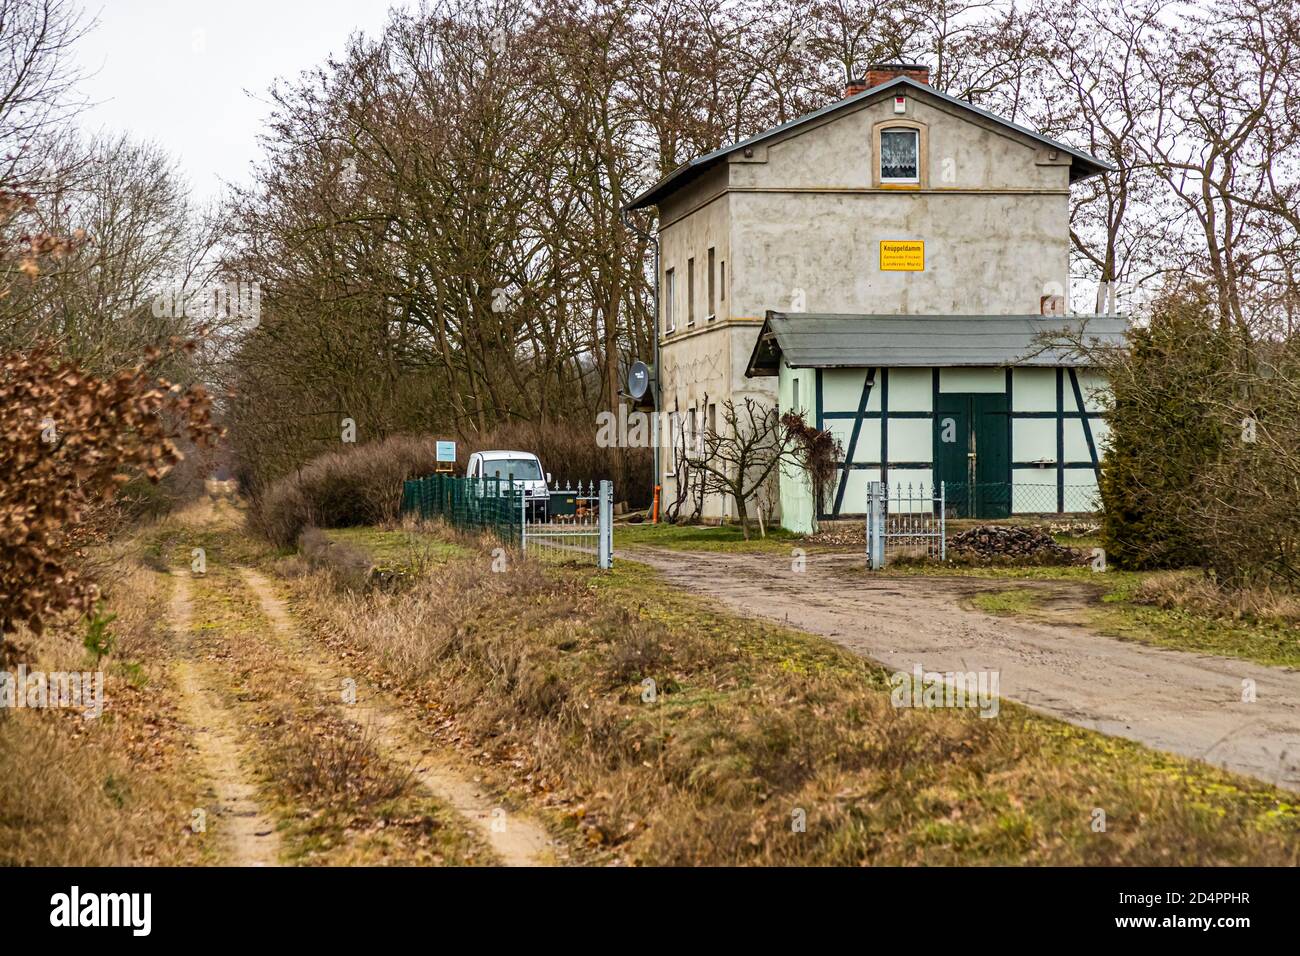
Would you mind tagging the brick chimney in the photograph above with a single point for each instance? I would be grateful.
(853, 87)
(884, 72)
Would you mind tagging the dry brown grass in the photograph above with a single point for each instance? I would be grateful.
(77, 799)
(119, 789)
(540, 675)
(350, 566)
(1194, 591)
(327, 758)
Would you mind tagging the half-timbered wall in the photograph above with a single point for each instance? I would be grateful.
(884, 418)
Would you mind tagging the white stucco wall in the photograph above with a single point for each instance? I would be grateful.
(806, 212)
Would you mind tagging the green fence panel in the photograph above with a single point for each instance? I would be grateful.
(489, 506)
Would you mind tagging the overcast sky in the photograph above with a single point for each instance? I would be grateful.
(192, 75)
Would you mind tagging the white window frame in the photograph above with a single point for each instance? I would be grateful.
(674, 428)
(690, 292)
(713, 284)
(880, 160)
(670, 296)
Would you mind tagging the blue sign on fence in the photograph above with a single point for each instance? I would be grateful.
(446, 451)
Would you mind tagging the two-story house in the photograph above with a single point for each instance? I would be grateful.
(886, 265)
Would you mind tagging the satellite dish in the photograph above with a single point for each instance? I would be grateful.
(638, 380)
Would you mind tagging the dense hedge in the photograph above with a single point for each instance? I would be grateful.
(1163, 430)
(1203, 467)
(361, 484)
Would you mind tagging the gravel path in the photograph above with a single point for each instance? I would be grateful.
(1184, 703)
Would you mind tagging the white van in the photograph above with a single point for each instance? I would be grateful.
(521, 467)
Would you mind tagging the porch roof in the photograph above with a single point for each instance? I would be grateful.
(820, 340)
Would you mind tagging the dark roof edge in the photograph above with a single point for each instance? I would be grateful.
(751, 366)
(753, 369)
(1089, 164)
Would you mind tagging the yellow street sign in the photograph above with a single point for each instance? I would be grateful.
(902, 255)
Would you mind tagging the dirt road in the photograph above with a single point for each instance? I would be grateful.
(1188, 704)
(515, 838)
(247, 833)
(244, 663)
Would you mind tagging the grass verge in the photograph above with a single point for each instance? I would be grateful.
(727, 537)
(661, 730)
(119, 789)
(1006, 603)
(397, 549)
(1142, 606)
(1129, 611)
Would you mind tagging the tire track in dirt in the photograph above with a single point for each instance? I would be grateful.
(247, 834)
(514, 838)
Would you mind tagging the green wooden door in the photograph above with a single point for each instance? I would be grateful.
(990, 415)
(952, 449)
(972, 453)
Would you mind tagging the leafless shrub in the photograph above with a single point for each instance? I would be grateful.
(360, 485)
(739, 457)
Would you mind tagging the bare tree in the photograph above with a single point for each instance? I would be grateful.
(739, 457)
(136, 236)
(37, 85)
(1092, 58)
(1226, 146)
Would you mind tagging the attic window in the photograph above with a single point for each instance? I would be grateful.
(899, 156)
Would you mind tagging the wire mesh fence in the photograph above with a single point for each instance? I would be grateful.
(1003, 499)
(569, 522)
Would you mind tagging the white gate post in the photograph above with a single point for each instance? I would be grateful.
(605, 548)
(876, 527)
(523, 516)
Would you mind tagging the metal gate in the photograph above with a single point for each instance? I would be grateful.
(908, 520)
(574, 523)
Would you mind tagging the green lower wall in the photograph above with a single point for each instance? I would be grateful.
(906, 436)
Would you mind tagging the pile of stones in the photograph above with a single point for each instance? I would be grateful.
(1008, 544)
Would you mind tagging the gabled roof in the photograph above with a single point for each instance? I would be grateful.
(1082, 166)
(809, 340)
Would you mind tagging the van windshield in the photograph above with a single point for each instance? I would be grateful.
(518, 469)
